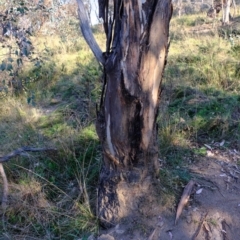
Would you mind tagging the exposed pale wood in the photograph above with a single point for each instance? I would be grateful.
(5, 186)
(136, 51)
(200, 226)
(226, 11)
(234, 7)
(184, 199)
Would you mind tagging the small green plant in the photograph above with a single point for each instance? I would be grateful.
(200, 151)
(213, 222)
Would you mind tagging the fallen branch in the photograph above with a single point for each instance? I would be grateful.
(6, 158)
(184, 199)
(200, 226)
(224, 230)
(19, 151)
(207, 230)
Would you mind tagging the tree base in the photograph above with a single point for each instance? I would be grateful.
(120, 195)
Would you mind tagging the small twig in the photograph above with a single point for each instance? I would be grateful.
(152, 235)
(224, 230)
(199, 226)
(19, 151)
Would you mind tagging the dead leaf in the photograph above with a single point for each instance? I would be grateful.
(182, 120)
(199, 191)
(206, 226)
(221, 143)
(207, 146)
(223, 175)
(210, 153)
(184, 199)
(170, 234)
(160, 222)
(207, 230)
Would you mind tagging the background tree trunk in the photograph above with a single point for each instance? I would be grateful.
(179, 4)
(136, 50)
(226, 11)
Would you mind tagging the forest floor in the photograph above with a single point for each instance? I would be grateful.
(212, 212)
(51, 194)
(213, 209)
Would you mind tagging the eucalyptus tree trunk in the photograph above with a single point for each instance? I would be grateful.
(137, 44)
(179, 4)
(226, 11)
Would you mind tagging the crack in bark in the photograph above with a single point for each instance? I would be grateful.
(136, 51)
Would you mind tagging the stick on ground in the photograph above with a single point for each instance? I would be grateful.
(6, 158)
(19, 151)
(184, 199)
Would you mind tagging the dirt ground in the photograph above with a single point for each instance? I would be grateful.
(212, 212)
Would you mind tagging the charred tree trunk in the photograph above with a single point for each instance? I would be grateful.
(136, 50)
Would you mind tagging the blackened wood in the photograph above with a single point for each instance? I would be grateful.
(137, 46)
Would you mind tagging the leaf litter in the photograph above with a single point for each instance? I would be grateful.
(211, 214)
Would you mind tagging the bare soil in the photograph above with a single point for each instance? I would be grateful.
(212, 212)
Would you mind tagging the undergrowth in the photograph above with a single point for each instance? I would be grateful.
(200, 99)
(53, 194)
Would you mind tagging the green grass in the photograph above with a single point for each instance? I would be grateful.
(53, 194)
(200, 100)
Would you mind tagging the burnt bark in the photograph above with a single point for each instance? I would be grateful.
(136, 50)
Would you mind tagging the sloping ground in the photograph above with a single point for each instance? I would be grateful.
(202, 27)
(232, 29)
(49, 192)
(213, 211)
